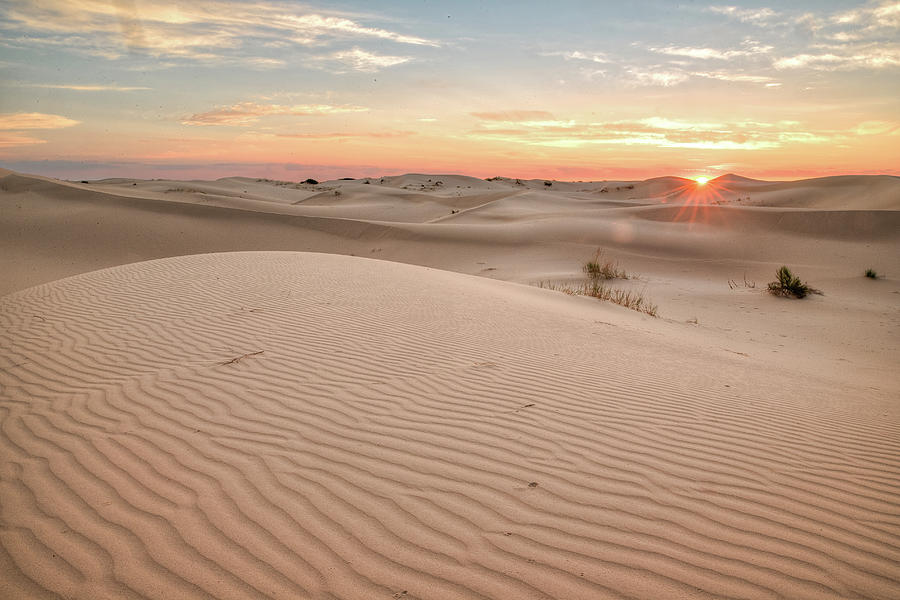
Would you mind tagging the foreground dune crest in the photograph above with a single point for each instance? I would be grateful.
(295, 425)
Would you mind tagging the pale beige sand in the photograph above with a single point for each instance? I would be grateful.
(384, 439)
(685, 246)
(386, 434)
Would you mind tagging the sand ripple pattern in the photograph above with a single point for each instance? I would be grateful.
(290, 425)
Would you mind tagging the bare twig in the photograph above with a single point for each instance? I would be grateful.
(238, 359)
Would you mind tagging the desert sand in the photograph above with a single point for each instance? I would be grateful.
(357, 389)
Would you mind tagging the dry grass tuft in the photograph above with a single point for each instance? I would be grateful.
(747, 284)
(598, 273)
(598, 268)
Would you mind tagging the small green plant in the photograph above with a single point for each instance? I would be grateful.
(871, 274)
(788, 284)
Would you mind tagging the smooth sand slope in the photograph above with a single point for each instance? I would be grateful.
(296, 425)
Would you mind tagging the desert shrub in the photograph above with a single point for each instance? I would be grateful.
(310, 181)
(788, 284)
(871, 274)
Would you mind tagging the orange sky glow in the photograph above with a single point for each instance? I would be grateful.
(287, 90)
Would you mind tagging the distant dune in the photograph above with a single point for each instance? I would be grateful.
(204, 395)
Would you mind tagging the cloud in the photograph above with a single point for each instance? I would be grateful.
(674, 124)
(530, 119)
(514, 115)
(367, 62)
(244, 31)
(14, 123)
(883, 15)
(247, 113)
(318, 25)
(9, 140)
(592, 57)
(11, 121)
(702, 53)
(662, 132)
(749, 48)
(84, 88)
(264, 63)
(656, 77)
(873, 23)
(877, 128)
(747, 15)
(735, 77)
(865, 37)
(850, 59)
(636, 73)
(347, 135)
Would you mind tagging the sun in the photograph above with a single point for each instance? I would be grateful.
(701, 180)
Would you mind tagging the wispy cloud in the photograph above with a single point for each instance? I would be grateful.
(347, 135)
(83, 88)
(14, 121)
(661, 133)
(847, 58)
(864, 37)
(749, 48)
(877, 128)
(735, 77)
(9, 140)
(596, 57)
(12, 124)
(528, 119)
(204, 31)
(744, 65)
(514, 115)
(657, 123)
(747, 15)
(702, 53)
(883, 15)
(655, 76)
(247, 113)
(876, 22)
(368, 62)
(316, 26)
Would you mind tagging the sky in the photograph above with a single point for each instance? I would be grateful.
(574, 90)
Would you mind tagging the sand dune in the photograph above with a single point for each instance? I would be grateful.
(51, 229)
(281, 423)
(307, 425)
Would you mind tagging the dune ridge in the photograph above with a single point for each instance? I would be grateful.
(279, 424)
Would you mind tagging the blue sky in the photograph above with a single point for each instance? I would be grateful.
(565, 89)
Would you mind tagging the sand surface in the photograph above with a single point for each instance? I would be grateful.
(282, 423)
